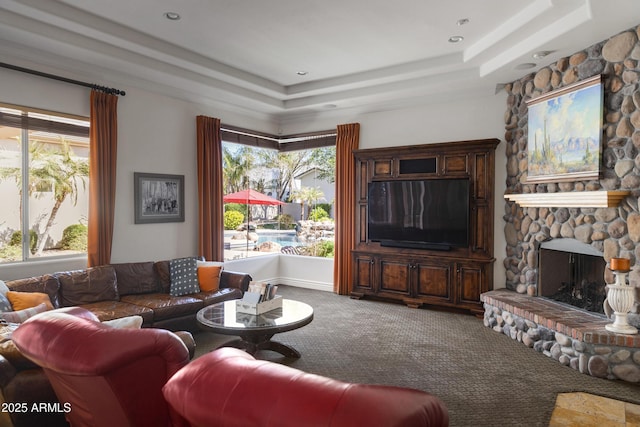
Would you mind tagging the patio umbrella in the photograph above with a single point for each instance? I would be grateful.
(250, 197)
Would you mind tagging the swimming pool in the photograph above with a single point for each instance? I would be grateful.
(282, 238)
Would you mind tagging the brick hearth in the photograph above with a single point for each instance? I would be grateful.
(572, 336)
(573, 322)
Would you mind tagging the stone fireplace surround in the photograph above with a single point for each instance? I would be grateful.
(569, 335)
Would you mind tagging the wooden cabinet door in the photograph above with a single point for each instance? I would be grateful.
(471, 283)
(364, 273)
(433, 281)
(395, 276)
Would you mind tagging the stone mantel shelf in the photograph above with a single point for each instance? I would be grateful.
(571, 199)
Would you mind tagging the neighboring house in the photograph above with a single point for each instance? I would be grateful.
(310, 179)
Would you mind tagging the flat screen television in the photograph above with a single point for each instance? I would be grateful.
(429, 214)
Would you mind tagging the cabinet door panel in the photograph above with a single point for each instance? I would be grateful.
(395, 276)
(434, 281)
(364, 273)
(470, 284)
(454, 164)
(482, 240)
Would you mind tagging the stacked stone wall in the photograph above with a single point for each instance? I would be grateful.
(602, 361)
(613, 231)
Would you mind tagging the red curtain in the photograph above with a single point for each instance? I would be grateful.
(103, 138)
(347, 139)
(210, 212)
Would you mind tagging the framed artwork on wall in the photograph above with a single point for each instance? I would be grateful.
(564, 140)
(158, 198)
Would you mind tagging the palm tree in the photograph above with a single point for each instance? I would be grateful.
(63, 172)
(307, 195)
(236, 166)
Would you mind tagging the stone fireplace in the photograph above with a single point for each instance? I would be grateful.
(574, 336)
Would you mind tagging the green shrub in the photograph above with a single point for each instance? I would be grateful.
(11, 253)
(74, 238)
(232, 219)
(235, 207)
(322, 249)
(326, 206)
(285, 222)
(16, 240)
(318, 214)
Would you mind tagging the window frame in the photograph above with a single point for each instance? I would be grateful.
(26, 121)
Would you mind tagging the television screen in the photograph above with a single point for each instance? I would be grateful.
(434, 212)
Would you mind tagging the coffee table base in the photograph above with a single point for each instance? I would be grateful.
(255, 345)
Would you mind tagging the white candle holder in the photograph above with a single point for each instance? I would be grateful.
(621, 298)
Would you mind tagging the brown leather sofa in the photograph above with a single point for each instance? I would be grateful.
(141, 288)
(110, 292)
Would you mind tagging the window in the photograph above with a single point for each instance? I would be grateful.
(44, 184)
(302, 179)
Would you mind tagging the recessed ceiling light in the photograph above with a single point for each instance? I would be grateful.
(302, 73)
(172, 16)
(525, 66)
(541, 54)
(455, 39)
(461, 22)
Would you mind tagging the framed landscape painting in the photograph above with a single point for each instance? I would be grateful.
(565, 133)
(158, 198)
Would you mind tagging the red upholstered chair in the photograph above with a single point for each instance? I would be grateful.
(228, 387)
(109, 377)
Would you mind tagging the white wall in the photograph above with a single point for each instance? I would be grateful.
(157, 134)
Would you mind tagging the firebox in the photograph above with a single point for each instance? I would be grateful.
(573, 273)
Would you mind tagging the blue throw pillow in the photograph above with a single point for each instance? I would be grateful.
(5, 305)
(184, 276)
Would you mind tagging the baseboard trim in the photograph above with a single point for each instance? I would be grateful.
(308, 284)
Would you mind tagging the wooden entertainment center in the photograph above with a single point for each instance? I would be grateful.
(450, 278)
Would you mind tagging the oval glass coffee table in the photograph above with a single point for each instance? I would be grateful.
(255, 331)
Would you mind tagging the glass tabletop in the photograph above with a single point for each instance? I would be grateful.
(223, 315)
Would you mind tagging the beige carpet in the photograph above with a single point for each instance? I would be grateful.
(484, 378)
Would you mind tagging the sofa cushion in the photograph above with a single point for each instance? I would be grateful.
(135, 278)
(87, 286)
(163, 275)
(184, 276)
(165, 306)
(47, 283)
(22, 300)
(22, 315)
(109, 310)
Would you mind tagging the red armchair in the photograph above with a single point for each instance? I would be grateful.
(103, 376)
(228, 387)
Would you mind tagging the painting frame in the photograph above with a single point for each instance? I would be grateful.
(158, 198)
(564, 139)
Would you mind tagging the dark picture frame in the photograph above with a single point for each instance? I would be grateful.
(158, 198)
(564, 140)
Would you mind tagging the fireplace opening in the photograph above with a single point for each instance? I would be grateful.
(573, 278)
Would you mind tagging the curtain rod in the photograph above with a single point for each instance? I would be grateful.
(105, 89)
